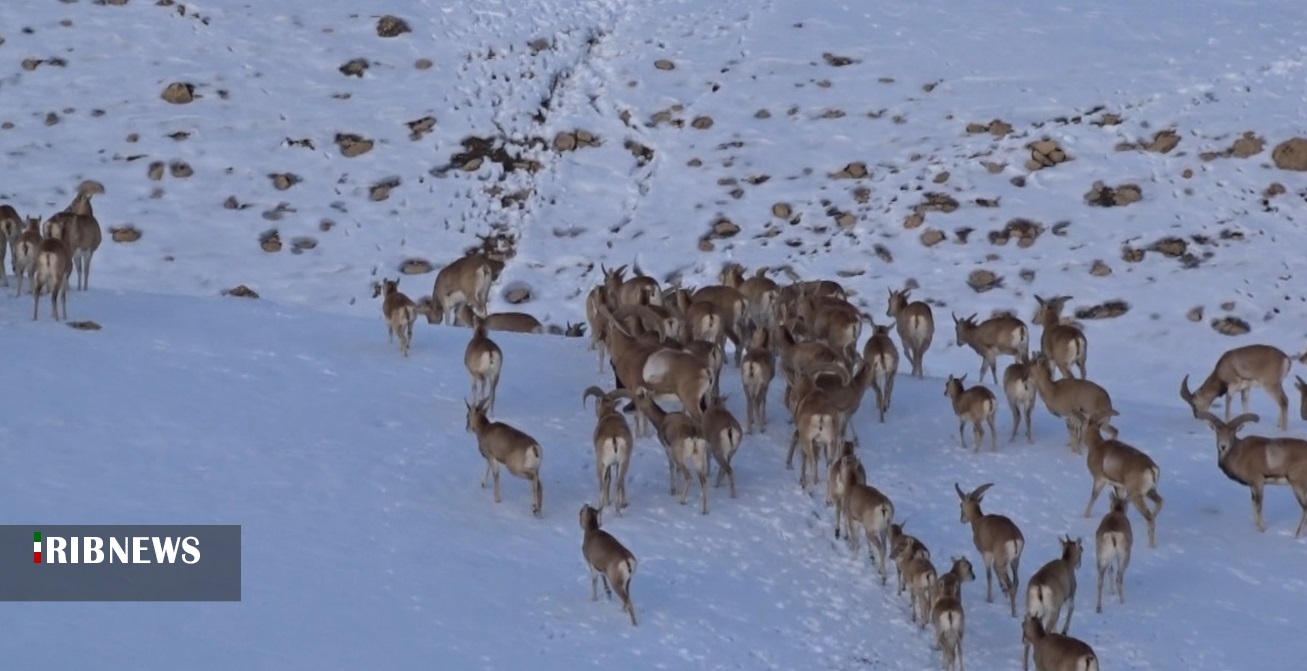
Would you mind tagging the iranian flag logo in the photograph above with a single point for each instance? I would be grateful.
(36, 547)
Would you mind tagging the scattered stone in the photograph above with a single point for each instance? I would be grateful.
(51, 118)
(883, 253)
(862, 195)
(178, 136)
(1027, 275)
(1228, 306)
(854, 170)
(932, 236)
(1100, 268)
(232, 204)
(1107, 310)
(275, 213)
(1045, 154)
(355, 67)
(641, 153)
(1025, 231)
(155, 170)
(326, 225)
(1172, 247)
(1291, 154)
(352, 145)
(85, 325)
(987, 202)
(1187, 174)
(914, 220)
(846, 220)
(781, 210)
(270, 241)
(724, 228)
(994, 167)
(1247, 146)
(302, 243)
(392, 26)
(702, 122)
(1195, 314)
(762, 114)
(180, 169)
(1108, 119)
(284, 180)
(664, 64)
(981, 280)
(381, 190)
(1231, 326)
(126, 233)
(996, 127)
(240, 291)
(418, 128)
(1275, 189)
(940, 177)
(415, 266)
(423, 64)
(538, 45)
(1105, 196)
(937, 202)
(1131, 255)
(517, 293)
(1163, 141)
(837, 61)
(179, 93)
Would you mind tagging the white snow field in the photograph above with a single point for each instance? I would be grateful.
(367, 540)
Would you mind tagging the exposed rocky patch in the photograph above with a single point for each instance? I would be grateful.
(1231, 326)
(270, 241)
(1102, 195)
(982, 280)
(1291, 154)
(392, 26)
(125, 233)
(240, 291)
(179, 93)
(415, 266)
(1025, 231)
(352, 145)
(1106, 310)
(1045, 153)
(996, 127)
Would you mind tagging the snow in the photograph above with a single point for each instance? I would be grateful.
(367, 541)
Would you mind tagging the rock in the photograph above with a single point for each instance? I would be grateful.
(155, 170)
(415, 266)
(284, 180)
(862, 194)
(423, 64)
(392, 26)
(702, 122)
(664, 64)
(641, 153)
(1291, 154)
(846, 220)
(940, 177)
(126, 233)
(1195, 314)
(270, 241)
(565, 141)
(981, 280)
(1045, 154)
(1172, 247)
(854, 170)
(1163, 141)
(1231, 326)
(1105, 196)
(938, 202)
(85, 325)
(1132, 255)
(179, 93)
(352, 145)
(355, 67)
(724, 228)
(231, 203)
(1100, 268)
(837, 61)
(781, 210)
(240, 291)
(180, 169)
(302, 243)
(932, 236)
(1247, 146)
(914, 220)
(1107, 310)
(517, 293)
(418, 128)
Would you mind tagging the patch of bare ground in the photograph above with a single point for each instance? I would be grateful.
(1246, 146)
(392, 26)
(1231, 326)
(1162, 142)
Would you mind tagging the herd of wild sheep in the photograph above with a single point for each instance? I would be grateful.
(667, 345)
(46, 252)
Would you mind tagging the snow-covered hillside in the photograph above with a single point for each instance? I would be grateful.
(834, 136)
